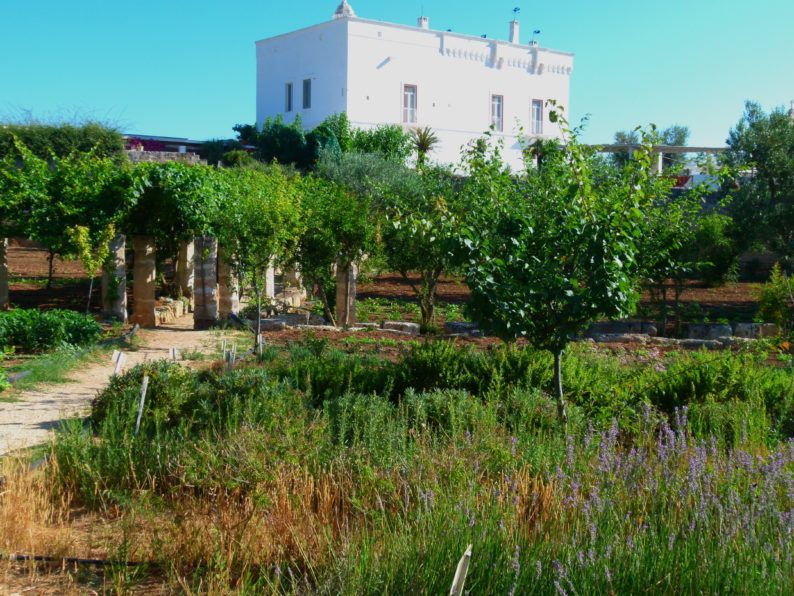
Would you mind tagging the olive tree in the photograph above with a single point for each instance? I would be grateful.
(558, 252)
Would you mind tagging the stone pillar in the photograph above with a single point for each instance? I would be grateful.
(144, 273)
(228, 295)
(346, 295)
(185, 269)
(114, 281)
(205, 284)
(270, 284)
(3, 273)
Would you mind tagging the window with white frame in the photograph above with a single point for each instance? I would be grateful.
(307, 94)
(498, 112)
(288, 98)
(409, 104)
(537, 117)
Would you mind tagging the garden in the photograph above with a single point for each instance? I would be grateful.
(369, 462)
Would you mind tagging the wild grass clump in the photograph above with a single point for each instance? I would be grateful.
(322, 472)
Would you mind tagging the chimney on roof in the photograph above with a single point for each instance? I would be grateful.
(514, 32)
(423, 22)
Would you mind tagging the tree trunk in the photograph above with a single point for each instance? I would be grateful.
(664, 311)
(324, 299)
(90, 291)
(563, 415)
(50, 258)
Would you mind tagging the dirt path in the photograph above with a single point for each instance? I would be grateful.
(30, 421)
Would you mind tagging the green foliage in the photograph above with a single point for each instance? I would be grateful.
(761, 157)
(420, 234)
(558, 253)
(387, 140)
(776, 303)
(23, 183)
(62, 140)
(32, 330)
(714, 248)
(176, 203)
(338, 229)
(257, 223)
(423, 141)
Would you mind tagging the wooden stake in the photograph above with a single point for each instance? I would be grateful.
(144, 387)
(460, 574)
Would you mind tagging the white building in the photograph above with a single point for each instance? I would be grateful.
(386, 73)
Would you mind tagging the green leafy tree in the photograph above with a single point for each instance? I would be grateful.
(83, 189)
(761, 158)
(92, 250)
(558, 254)
(338, 229)
(420, 234)
(257, 223)
(23, 181)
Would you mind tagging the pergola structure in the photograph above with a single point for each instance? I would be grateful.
(658, 150)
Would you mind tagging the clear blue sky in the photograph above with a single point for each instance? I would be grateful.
(187, 68)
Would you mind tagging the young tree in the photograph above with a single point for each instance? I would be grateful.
(92, 250)
(420, 234)
(257, 224)
(338, 230)
(558, 254)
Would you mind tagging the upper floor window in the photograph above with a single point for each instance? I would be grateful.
(537, 117)
(307, 94)
(409, 104)
(288, 98)
(498, 112)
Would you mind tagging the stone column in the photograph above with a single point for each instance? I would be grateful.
(270, 284)
(3, 273)
(185, 269)
(346, 295)
(144, 273)
(205, 284)
(114, 281)
(228, 295)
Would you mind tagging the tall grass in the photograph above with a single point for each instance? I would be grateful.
(320, 472)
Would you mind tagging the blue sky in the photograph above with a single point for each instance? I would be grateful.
(187, 68)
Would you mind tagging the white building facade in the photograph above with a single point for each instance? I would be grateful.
(384, 73)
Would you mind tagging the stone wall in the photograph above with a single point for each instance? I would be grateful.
(164, 157)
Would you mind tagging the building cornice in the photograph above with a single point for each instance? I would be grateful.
(414, 29)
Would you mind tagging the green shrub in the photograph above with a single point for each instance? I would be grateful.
(32, 330)
(171, 389)
(775, 304)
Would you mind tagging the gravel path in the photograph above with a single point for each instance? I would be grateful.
(30, 421)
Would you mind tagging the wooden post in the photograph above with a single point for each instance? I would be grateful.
(205, 287)
(3, 273)
(114, 281)
(144, 272)
(144, 387)
(346, 295)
